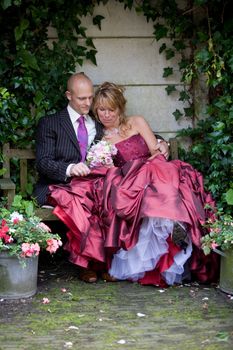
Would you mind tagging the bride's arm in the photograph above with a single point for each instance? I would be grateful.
(140, 125)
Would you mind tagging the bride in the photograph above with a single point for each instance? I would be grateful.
(141, 218)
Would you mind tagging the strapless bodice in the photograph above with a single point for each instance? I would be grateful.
(132, 148)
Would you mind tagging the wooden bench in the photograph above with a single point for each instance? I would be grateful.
(8, 187)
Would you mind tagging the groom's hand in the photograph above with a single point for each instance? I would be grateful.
(79, 169)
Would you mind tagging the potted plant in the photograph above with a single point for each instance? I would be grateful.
(220, 240)
(22, 237)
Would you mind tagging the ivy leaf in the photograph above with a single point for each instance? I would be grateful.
(29, 59)
(6, 3)
(230, 63)
(179, 45)
(177, 114)
(160, 31)
(169, 54)
(89, 42)
(38, 98)
(183, 63)
(97, 21)
(188, 112)
(20, 29)
(82, 31)
(170, 89)
(91, 56)
(167, 71)
(229, 196)
(203, 56)
(162, 48)
(184, 96)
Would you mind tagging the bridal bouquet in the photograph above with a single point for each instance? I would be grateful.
(22, 233)
(100, 154)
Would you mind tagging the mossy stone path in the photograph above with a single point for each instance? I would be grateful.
(120, 315)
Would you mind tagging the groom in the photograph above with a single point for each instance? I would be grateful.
(58, 153)
(61, 145)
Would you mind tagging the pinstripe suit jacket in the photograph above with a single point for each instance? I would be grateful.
(56, 148)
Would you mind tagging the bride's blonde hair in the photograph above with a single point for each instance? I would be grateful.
(111, 96)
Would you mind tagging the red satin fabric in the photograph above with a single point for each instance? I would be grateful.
(104, 210)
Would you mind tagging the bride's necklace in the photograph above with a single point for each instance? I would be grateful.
(111, 132)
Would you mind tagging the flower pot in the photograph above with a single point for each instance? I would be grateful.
(226, 272)
(17, 280)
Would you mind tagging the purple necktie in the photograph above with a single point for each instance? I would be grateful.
(82, 137)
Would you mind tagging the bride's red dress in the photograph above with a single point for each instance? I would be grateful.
(105, 209)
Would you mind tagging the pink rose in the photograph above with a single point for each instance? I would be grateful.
(214, 245)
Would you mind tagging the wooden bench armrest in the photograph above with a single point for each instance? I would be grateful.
(7, 184)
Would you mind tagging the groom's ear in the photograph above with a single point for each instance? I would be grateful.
(68, 95)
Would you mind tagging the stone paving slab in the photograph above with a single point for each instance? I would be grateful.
(121, 315)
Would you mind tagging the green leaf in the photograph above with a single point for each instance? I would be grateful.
(160, 31)
(184, 96)
(177, 114)
(167, 71)
(229, 197)
(203, 56)
(188, 112)
(179, 45)
(29, 59)
(222, 336)
(20, 29)
(162, 48)
(89, 42)
(170, 89)
(169, 54)
(6, 3)
(97, 21)
(91, 56)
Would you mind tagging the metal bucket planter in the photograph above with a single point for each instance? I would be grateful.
(226, 271)
(17, 280)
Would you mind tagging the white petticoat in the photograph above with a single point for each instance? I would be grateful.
(144, 256)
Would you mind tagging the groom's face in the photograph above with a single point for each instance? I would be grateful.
(80, 97)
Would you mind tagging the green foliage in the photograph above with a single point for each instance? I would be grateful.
(209, 35)
(34, 65)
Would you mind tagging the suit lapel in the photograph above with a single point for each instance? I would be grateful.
(68, 128)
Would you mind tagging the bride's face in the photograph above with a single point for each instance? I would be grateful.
(108, 117)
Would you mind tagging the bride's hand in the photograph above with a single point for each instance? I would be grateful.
(161, 148)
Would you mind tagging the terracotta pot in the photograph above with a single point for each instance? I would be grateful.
(16, 280)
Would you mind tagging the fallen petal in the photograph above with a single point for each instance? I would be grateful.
(72, 327)
(45, 301)
(140, 315)
(68, 345)
(122, 341)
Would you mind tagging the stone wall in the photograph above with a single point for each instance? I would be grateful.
(129, 55)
